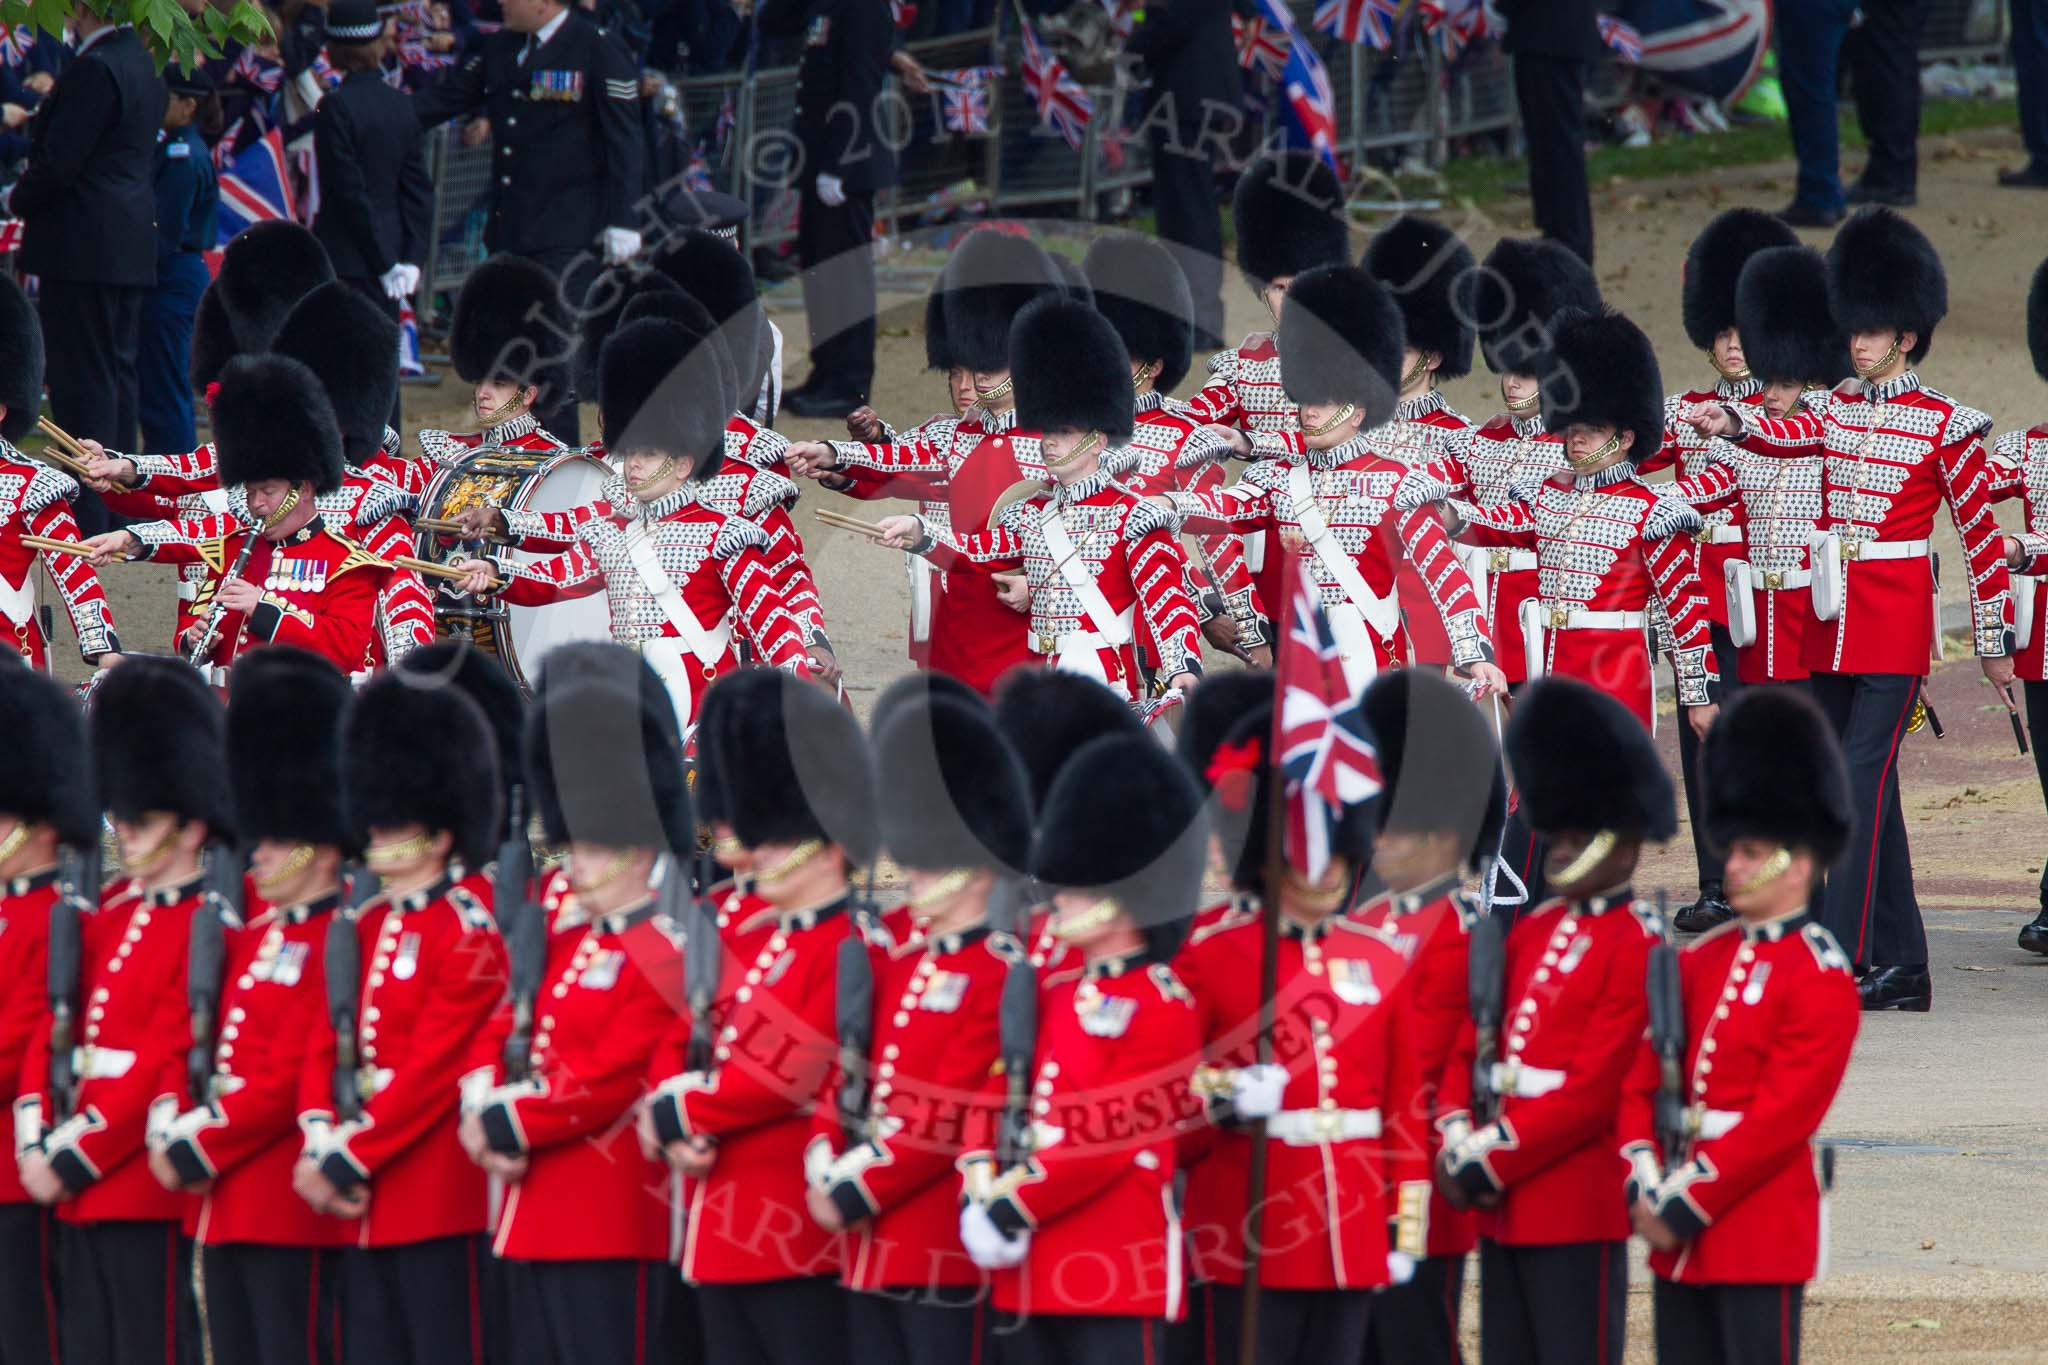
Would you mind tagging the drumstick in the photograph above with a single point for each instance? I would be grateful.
(430, 569)
(66, 450)
(57, 547)
(842, 523)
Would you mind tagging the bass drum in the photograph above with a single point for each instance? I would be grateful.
(515, 481)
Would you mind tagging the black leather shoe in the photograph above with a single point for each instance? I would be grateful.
(1799, 213)
(2034, 934)
(2032, 176)
(820, 403)
(1897, 988)
(1703, 914)
(1896, 197)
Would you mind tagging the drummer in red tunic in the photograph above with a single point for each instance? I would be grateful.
(510, 340)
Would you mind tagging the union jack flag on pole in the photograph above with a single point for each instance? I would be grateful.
(1058, 97)
(255, 185)
(1311, 106)
(1328, 758)
(1260, 47)
(1358, 21)
(964, 98)
(1621, 37)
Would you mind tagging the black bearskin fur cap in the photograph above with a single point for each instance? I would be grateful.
(479, 676)
(1422, 262)
(1883, 273)
(624, 670)
(1781, 309)
(156, 736)
(1289, 215)
(1047, 716)
(711, 270)
(1340, 341)
(2037, 320)
(352, 348)
(46, 779)
(988, 280)
(604, 767)
(1125, 818)
(1582, 761)
(1438, 760)
(920, 689)
(264, 271)
(938, 352)
(1238, 772)
(1143, 292)
(670, 305)
(1523, 284)
(663, 388)
(1071, 371)
(605, 302)
(793, 765)
(1772, 769)
(511, 323)
(21, 361)
(272, 420)
(285, 708)
(1074, 283)
(1713, 265)
(1602, 371)
(413, 752)
(1224, 699)
(956, 795)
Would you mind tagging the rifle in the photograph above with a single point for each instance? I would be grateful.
(1017, 1035)
(1667, 1040)
(78, 881)
(1485, 985)
(855, 1008)
(526, 935)
(342, 962)
(700, 965)
(205, 958)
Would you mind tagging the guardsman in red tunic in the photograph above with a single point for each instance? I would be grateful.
(1536, 1149)
(420, 770)
(268, 1264)
(1895, 451)
(1440, 822)
(586, 1227)
(1077, 1219)
(124, 1257)
(46, 805)
(956, 816)
(799, 792)
(509, 340)
(1722, 1182)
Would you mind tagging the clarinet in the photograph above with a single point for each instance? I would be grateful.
(204, 643)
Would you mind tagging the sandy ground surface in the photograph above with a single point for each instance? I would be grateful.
(1940, 1243)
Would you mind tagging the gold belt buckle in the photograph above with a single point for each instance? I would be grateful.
(1558, 617)
(1329, 1124)
(1705, 534)
(1774, 579)
(1048, 643)
(1852, 549)
(1510, 1077)
(366, 1083)
(1499, 559)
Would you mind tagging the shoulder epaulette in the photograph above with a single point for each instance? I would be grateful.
(1825, 950)
(1651, 922)
(213, 553)
(1006, 947)
(356, 558)
(1169, 985)
(475, 915)
(1232, 918)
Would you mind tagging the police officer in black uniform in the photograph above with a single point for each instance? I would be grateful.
(563, 99)
(845, 161)
(187, 221)
(1553, 42)
(1192, 115)
(376, 197)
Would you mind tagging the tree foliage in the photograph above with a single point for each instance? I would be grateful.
(169, 32)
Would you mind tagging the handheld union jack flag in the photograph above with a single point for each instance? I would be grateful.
(255, 185)
(1259, 47)
(1059, 98)
(1457, 24)
(1328, 757)
(1621, 36)
(15, 41)
(253, 69)
(1358, 21)
(964, 98)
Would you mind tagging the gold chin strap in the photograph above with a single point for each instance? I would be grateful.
(1092, 920)
(1738, 372)
(1338, 419)
(506, 410)
(1091, 441)
(381, 856)
(728, 847)
(789, 866)
(1773, 868)
(613, 870)
(294, 863)
(1420, 368)
(1520, 406)
(1312, 896)
(944, 889)
(1590, 857)
(668, 467)
(989, 395)
(149, 857)
(1884, 362)
(1598, 457)
(284, 509)
(1142, 375)
(16, 837)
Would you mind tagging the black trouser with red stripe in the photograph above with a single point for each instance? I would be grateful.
(586, 1312)
(1868, 904)
(942, 1325)
(415, 1304)
(1294, 1324)
(1081, 1339)
(27, 1261)
(772, 1322)
(1417, 1323)
(1553, 1305)
(2036, 697)
(125, 1294)
(1710, 859)
(1728, 1324)
(270, 1305)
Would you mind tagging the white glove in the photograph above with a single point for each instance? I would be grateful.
(1255, 1091)
(985, 1243)
(1400, 1267)
(620, 245)
(831, 191)
(399, 281)
(818, 1159)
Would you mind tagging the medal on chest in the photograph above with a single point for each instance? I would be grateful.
(1352, 981)
(296, 575)
(1103, 1016)
(944, 992)
(407, 963)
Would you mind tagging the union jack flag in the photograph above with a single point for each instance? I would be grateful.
(1259, 47)
(1358, 21)
(697, 174)
(1311, 107)
(1328, 757)
(409, 363)
(1621, 36)
(1122, 19)
(253, 68)
(1457, 24)
(964, 98)
(1059, 98)
(15, 41)
(255, 185)
(10, 236)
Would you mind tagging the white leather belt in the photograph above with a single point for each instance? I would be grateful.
(1597, 620)
(102, 1063)
(213, 675)
(1779, 580)
(1503, 560)
(1715, 1123)
(1313, 1127)
(188, 590)
(1070, 640)
(1524, 1082)
(1719, 535)
(1883, 549)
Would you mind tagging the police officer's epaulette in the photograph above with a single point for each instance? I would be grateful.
(1168, 984)
(470, 906)
(1234, 917)
(1005, 947)
(1653, 924)
(1825, 950)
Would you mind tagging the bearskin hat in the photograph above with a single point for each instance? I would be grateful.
(712, 271)
(272, 420)
(1421, 262)
(1713, 266)
(1288, 211)
(1438, 760)
(1523, 284)
(352, 348)
(415, 753)
(1124, 818)
(2037, 320)
(1071, 371)
(46, 779)
(1047, 715)
(285, 708)
(1340, 340)
(1238, 773)
(21, 361)
(619, 667)
(988, 280)
(1602, 371)
(1883, 273)
(938, 351)
(1074, 281)
(920, 689)
(156, 737)
(1773, 769)
(957, 795)
(662, 387)
(794, 765)
(1582, 761)
(1143, 291)
(479, 676)
(1224, 699)
(605, 303)
(264, 270)
(604, 765)
(1781, 310)
(511, 323)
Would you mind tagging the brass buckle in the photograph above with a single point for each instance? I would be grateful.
(1510, 1077)
(1499, 559)
(1774, 579)
(1048, 643)
(1852, 549)
(1329, 1124)
(1705, 535)
(1559, 616)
